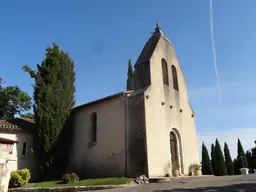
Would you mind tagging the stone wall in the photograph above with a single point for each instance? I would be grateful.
(137, 153)
(106, 157)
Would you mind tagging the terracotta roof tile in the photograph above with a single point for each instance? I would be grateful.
(99, 100)
(17, 125)
(103, 99)
(4, 140)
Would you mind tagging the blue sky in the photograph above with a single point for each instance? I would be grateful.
(102, 35)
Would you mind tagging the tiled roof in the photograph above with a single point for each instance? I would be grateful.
(149, 48)
(4, 140)
(103, 99)
(17, 125)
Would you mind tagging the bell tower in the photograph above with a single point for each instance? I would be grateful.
(142, 65)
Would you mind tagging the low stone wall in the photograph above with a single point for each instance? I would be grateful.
(67, 189)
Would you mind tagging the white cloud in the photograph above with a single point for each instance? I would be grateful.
(246, 136)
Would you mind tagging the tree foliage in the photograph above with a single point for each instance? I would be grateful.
(248, 155)
(220, 165)
(241, 158)
(236, 167)
(13, 101)
(130, 76)
(253, 157)
(3, 101)
(213, 159)
(206, 163)
(54, 91)
(228, 160)
(28, 115)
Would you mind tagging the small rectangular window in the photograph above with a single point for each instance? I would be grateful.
(24, 148)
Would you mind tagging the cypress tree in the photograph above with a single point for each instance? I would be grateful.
(206, 163)
(248, 155)
(3, 101)
(253, 150)
(213, 159)
(241, 158)
(54, 91)
(130, 76)
(228, 160)
(220, 165)
(236, 167)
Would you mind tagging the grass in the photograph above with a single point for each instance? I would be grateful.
(86, 182)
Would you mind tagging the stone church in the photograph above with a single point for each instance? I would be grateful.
(141, 131)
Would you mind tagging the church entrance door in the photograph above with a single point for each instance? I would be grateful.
(174, 149)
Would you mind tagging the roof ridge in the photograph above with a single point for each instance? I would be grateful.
(99, 100)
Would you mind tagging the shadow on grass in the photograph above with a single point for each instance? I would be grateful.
(245, 187)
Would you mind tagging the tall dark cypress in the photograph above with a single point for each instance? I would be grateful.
(248, 155)
(3, 101)
(228, 160)
(241, 158)
(54, 91)
(236, 167)
(253, 150)
(130, 76)
(206, 163)
(220, 165)
(213, 159)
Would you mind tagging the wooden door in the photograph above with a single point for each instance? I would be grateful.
(174, 148)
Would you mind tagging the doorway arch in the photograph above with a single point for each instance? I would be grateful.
(176, 149)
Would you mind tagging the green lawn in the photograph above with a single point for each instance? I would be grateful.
(86, 182)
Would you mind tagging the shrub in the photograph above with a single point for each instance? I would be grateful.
(193, 167)
(19, 178)
(70, 178)
(197, 166)
(66, 178)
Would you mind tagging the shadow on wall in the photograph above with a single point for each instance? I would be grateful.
(63, 147)
(248, 187)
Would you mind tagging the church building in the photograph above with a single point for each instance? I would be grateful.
(142, 131)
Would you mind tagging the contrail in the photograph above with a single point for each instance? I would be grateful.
(214, 53)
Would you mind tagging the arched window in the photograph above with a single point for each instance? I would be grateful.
(165, 72)
(175, 78)
(93, 128)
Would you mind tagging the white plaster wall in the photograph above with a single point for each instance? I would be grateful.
(19, 161)
(160, 119)
(5, 176)
(107, 157)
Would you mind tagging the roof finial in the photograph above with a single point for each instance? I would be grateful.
(157, 29)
